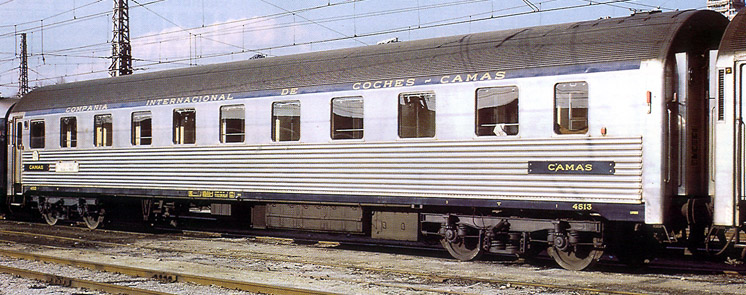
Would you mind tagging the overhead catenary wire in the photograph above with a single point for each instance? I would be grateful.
(329, 19)
(102, 14)
(51, 16)
(63, 22)
(187, 30)
(425, 26)
(239, 26)
(533, 7)
(627, 7)
(105, 45)
(316, 23)
(296, 11)
(432, 25)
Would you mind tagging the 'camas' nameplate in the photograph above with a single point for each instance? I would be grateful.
(571, 167)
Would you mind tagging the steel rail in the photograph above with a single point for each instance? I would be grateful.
(210, 281)
(422, 274)
(166, 275)
(77, 283)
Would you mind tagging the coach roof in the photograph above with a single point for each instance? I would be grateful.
(734, 38)
(634, 38)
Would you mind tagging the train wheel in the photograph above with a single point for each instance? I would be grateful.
(50, 217)
(716, 242)
(93, 221)
(94, 218)
(464, 249)
(575, 258)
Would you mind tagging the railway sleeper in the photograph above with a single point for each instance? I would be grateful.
(574, 244)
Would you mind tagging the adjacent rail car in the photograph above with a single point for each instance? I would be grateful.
(578, 139)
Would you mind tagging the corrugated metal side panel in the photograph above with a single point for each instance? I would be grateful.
(456, 169)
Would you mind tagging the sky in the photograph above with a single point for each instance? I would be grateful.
(70, 40)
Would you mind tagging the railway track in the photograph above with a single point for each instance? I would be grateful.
(261, 288)
(74, 282)
(244, 254)
(165, 276)
(170, 276)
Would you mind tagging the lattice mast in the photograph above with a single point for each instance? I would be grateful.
(121, 51)
(23, 76)
(727, 7)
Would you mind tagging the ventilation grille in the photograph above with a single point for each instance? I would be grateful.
(721, 95)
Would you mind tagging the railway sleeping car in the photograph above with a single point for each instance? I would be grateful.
(578, 139)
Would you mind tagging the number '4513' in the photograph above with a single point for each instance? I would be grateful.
(582, 206)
